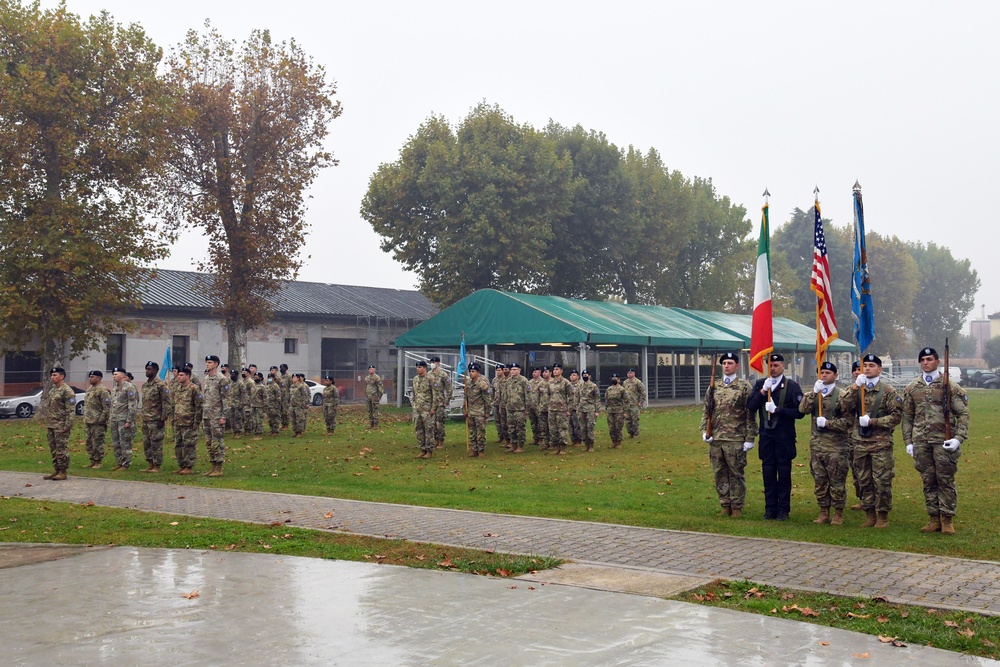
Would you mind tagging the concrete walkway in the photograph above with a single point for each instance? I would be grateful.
(935, 581)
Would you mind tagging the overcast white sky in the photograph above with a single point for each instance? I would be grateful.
(785, 95)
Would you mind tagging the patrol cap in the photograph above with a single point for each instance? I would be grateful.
(776, 357)
(827, 366)
(152, 364)
(95, 374)
(730, 356)
(856, 366)
(928, 352)
(212, 357)
(421, 363)
(871, 358)
(435, 359)
(116, 369)
(58, 369)
(475, 367)
(556, 365)
(370, 366)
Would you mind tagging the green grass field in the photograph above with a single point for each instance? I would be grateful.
(662, 480)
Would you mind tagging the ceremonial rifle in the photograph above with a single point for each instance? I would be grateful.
(710, 403)
(947, 395)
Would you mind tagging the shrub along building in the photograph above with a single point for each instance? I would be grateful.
(316, 328)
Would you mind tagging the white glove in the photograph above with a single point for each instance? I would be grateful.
(952, 445)
(861, 380)
(821, 422)
(770, 406)
(747, 446)
(909, 450)
(864, 420)
(818, 387)
(768, 383)
(706, 437)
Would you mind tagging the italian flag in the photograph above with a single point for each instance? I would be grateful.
(761, 332)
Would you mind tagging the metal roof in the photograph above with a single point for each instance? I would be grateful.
(188, 290)
(788, 334)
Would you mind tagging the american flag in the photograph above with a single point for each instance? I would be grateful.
(826, 323)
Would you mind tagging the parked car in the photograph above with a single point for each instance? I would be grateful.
(25, 405)
(315, 392)
(988, 380)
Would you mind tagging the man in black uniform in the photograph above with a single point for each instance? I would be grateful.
(776, 400)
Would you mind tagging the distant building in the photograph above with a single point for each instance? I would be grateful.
(983, 330)
(316, 328)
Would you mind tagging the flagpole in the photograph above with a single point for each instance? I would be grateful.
(856, 190)
(820, 352)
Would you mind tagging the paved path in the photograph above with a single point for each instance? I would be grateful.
(933, 581)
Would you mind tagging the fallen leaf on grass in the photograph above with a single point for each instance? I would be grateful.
(230, 547)
(805, 611)
(879, 598)
(191, 596)
(967, 632)
(988, 643)
(504, 573)
(882, 619)
(932, 611)
(886, 640)
(90, 503)
(175, 523)
(79, 527)
(375, 468)
(774, 611)
(904, 614)
(446, 563)
(421, 557)
(276, 523)
(787, 596)
(950, 624)
(697, 598)
(851, 614)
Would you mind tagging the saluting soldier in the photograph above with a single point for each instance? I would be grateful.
(331, 399)
(157, 406)
(636, 391)
(516, 390)
(935, 455)
(828, 447)
(559, 397)
(874, 420)
(733, 431)
(373, 395)
(614, 404)
(96, 413)
(187, 416)
(477, 401)
(59, 408)
(589, 402)
(423, 411)
(124, 409)
(215, 390)
(299, 404)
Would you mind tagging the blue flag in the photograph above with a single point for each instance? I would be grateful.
(862, 307)
(462, 366)
(165, 368)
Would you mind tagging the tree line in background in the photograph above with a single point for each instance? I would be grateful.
(491, 203)
(98, 134)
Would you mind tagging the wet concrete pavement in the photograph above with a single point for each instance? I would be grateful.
(126, 606)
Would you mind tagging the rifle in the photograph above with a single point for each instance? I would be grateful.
(710, 403)
(947, 395)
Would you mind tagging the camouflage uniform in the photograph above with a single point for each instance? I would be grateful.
(188, 402)
(542, 392)
(373, 395)
(497, 399)
(124, 406)
(559, 397)
(249, 387)
(258, 400)
(157, 406)
(423, 404)
(732, 425)
(516, 391)
(477, 397)
(636, 391)
(286, 398)
(533, 414)
(442, 396)
(274, 405)
(575, 428)
(299, 405)
(331, 399)
(873, 458)
(828, 448)
(235, 420)
(923, 427)
(589, 400)
(216, 406)
(96, 412)
(59, 409)
(614, 404)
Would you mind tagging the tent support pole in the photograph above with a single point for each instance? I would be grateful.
(697, 374)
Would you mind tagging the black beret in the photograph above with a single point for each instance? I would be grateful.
(185, 371)
(212, 357)
(871, 358)
(928, 352)
(95, 374)
(422, 364)
(631, 370)
(856, 366)
(475, 367)
(827, 366)
(58, 369)
(545, 368)
(370, 366)
(273, 368)
(189, 365)
(573, 371)
(775, 357)
(436, 359)
(614, 375)
(514, 365)
(730, 356)
(555, 366)
(116, 369)
(328, 377)
(585, 373)
(152, 364)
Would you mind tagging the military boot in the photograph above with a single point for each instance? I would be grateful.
(947, 524)
(727, 510)
(870, 521)
(616, 445)
(737, 512)
(151, 468)
(856, 506)
(838, 517)
(933, 525)
(473, 454)
(883, 520)
(824, 515)
(216, 470)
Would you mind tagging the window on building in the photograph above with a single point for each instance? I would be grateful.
(22, 368)
(180, 350)
(116, 351)
(291, 346)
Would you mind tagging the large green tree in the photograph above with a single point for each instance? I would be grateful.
(945, 296)
(895, 279)
(80, 139)
(249, 125)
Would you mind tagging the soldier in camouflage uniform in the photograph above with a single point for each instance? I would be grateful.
(874, 420)
(497, 400)
(575, 428)
(516, 391)
(734, 428)
(935, 456)
(589, 402)
(536, 379)
(852, 434)
(257, 404)
(636, 391)
(559, 398)
(477, 405)
(373, 395)
(238, 387)
(614, 404)
(274, 401)
(299, 403)
(828, 446)
(188, 402)
(442, 384)
(96, 412)
(215, 391)
(157, 406)
(331, 399)
(542, 392)
(285, 379)
(423, 411)
(58, 409)
(124, 409)
(194, 378)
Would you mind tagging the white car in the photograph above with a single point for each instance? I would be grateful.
(25, 405)
(315, 392)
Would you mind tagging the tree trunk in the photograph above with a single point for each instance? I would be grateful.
(237, 347)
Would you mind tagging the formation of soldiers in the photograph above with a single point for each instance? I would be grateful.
(213, 405)
(852, 430)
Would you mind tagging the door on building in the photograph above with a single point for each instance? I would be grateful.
(339, 358)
